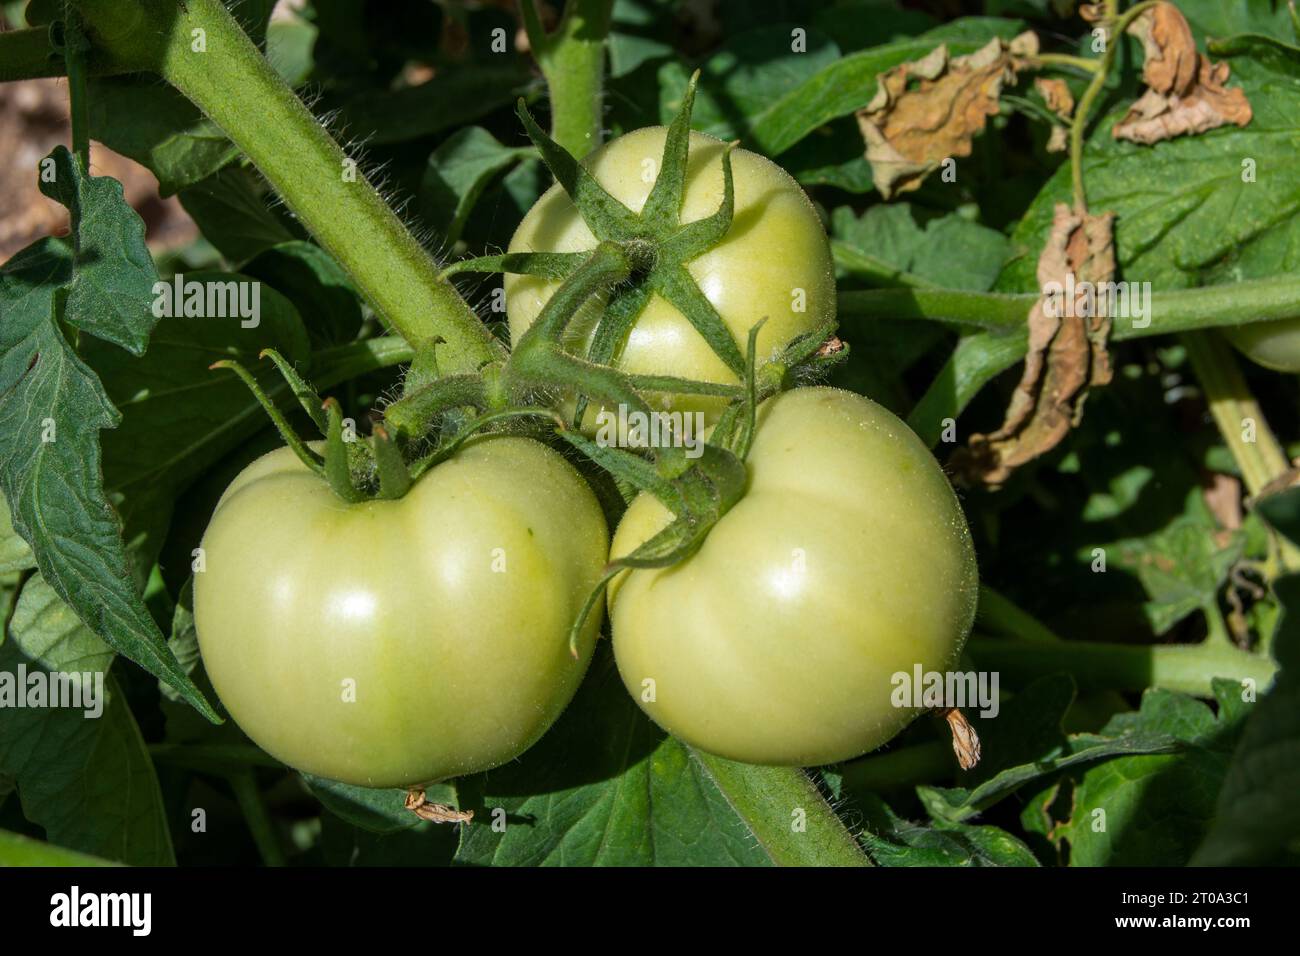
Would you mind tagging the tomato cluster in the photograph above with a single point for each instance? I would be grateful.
(402, 642)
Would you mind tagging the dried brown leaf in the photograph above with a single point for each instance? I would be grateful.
(1185, 91)
(1222, 495)
(930, 109)
(1056, 94)
(1068, 329)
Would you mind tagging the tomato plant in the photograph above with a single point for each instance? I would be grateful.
(952, 528)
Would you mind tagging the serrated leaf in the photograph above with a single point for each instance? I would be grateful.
(603, 787)
(52, 409)
(111, 285)
(179, 417)
(1257, 818)
(1182, 567)
(1153, 810)
(896, 243)
(893, 841)
(457, 173)
(87, 780)
(232, 215)
(159, 128)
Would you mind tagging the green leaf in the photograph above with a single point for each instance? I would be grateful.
(897, 244)
(426, 844)
(228, 208)
(159, 128)
(603, 787)
(794, 104)
(88, 781)
(376, 811)
(456, 175)
(53, 407)
(18, 850)
(453, 99)
(744, 79)
(893, 841)
(1181, 566)
(319, 289)
(1185, 217)
(178, 417)
(15, 553)
(113, 274)
(1154, 810)
(1017, 758)
(1257, 819)
(1282, 511)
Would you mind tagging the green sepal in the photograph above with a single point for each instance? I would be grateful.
(697, 237)
(629, 467)
(548, 265)
(300, 448)
(679, 288)
(394, 476)
(306, 395)
(338, 468)
(414, 414)
(735, 428)
(476, 426)
(665, 200)
(607, 218)
(620, 314)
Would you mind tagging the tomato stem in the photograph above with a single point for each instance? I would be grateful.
(304, 453)
(298, 157)
(573, 61)
(1242, 425)
(338, 469)
(1185, 668)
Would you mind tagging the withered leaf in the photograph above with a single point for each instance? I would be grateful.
(1185, 91)
(1068, 328)
(930, 109)
(1056, 94)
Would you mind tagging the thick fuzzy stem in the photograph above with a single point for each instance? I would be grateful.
(573, 61)
(200, 49)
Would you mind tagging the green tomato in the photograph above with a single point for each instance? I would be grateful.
(1274, 345)
(774, 263)
(847, 561)
(396, 643)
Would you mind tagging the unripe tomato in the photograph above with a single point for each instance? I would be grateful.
(775, 262)
(847, 561)
(1274, 345)
(401, 642)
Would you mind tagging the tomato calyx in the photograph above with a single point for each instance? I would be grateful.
(639, 254)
